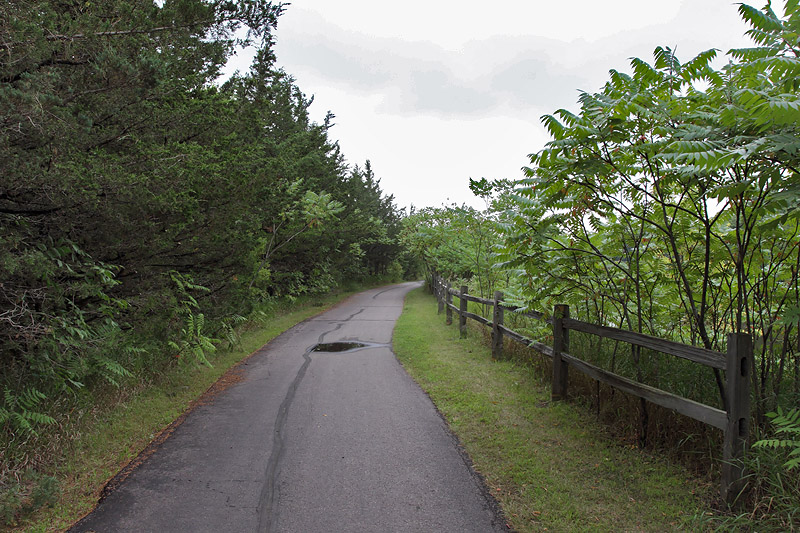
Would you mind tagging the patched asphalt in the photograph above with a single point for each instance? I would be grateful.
(309, 441)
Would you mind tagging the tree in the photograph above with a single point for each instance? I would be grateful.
(672, 195)
(135, 181)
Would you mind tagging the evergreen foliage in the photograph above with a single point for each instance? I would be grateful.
(145, 205)
(786, 424)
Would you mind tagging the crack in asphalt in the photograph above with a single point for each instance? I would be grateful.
(267, 499)
(359, 320)
(384, 291)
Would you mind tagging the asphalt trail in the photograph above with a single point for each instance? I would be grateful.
(310, 442)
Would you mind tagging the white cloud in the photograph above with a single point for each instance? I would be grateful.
(452, 23)
(439, 91)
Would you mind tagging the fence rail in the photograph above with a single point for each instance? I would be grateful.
(685, 351)
(733, 420)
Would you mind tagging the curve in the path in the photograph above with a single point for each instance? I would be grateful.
(309, 441)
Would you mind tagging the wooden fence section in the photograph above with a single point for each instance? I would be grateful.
(733, 421)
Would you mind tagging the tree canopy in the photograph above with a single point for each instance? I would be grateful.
(142, 199)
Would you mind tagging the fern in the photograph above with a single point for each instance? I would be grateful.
(787, 424)
(554, 127)
(666, 60)
(699, 68)
(111, 370)
(644, 71)
(194, 342)
(619, 80)
(765, 20)
(229, 326)
(752, 54)
(18, 410)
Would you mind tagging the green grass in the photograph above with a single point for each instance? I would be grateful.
(551, 466)
(102, 441)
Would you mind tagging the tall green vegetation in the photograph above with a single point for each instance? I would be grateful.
(146, 207)
(457, 242)
(668, 204)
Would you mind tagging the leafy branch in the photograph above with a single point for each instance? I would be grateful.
(786, 423)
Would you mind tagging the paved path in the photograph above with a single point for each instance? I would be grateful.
(310, 442)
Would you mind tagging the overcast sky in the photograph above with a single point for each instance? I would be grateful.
(436, 92)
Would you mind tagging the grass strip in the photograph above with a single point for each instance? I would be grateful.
(105, 441)
(551, 466)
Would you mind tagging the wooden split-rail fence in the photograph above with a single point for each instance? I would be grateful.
(733, 421)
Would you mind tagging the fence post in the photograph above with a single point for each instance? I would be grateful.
(462, 312)
(439, 298)
(560, 344)
(497, 320)
(737, 374)
(448, 300)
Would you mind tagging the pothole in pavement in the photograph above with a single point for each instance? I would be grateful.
(343, 346)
